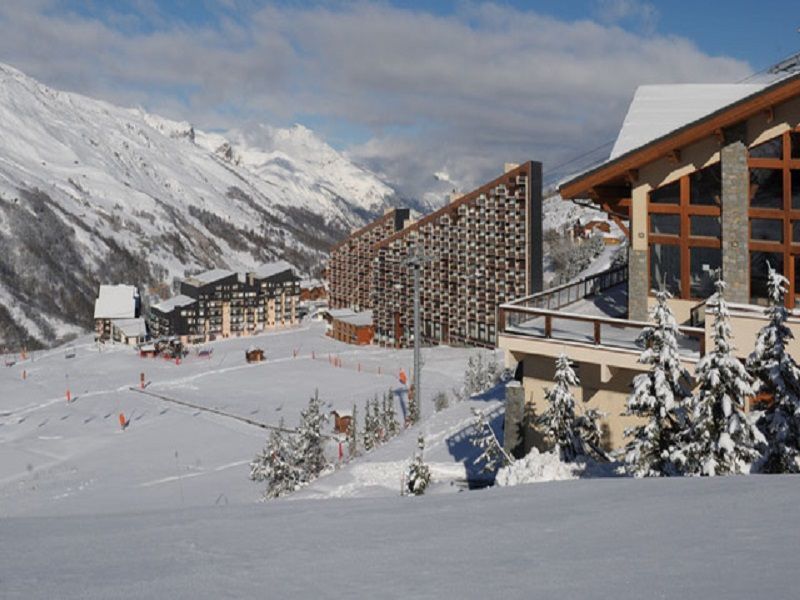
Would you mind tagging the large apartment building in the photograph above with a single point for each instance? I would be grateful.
(221, 303)
(350, 263)
(482, 249)
(708, 178)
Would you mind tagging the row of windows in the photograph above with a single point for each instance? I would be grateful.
(685, 224)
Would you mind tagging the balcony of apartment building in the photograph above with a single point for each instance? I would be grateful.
(588, 320)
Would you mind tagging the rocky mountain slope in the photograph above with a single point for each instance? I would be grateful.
(91, 192)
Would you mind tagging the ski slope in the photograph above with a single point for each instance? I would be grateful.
(60, 458)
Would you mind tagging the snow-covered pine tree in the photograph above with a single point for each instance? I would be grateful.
(658, 396)
(352, 435)
(390, 423)
(721, 438)
(777, 375)
(377, 418)
(413, 407)
(368, 440)
(309, 447)
(572, 435)
(493, 456)
(418, 476)
(276, 465)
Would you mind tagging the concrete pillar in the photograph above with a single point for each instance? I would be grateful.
(735, 232)
(515, 410)
(638, 268)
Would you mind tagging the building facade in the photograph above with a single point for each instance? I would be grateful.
(482, 249)
(350, 264)
(220, 304)
(114, 303)
(708, 182)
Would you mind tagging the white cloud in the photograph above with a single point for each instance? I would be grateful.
(461, 93)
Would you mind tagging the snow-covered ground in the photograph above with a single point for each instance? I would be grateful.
(724, 538)
(58, 458)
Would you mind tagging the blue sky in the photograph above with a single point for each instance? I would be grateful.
(407, 88)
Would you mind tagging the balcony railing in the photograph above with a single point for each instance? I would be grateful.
(543, 316)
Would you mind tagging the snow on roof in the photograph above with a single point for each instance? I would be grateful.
(131, 327)
(273, 268)
(116, 302)
(340, 313)
(657, 110)
(358, 319)
(178, 301)
(207, 277)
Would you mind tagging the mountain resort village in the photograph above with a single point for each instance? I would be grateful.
(443, 345)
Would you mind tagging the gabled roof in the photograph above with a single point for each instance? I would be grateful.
(131, 327)
(208, 277)
(627, 156)
(116, 302)
(178, 301)
(273, 268)
(656, 110)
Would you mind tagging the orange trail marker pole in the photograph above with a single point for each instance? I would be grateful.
(122, 422)
(69, 396)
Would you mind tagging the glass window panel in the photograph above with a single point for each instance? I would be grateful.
(795, 189)
(704, 264)
(665, 224)
(796, 232)
(665, 268)
(668, 194)
(795, 144)
(770, 230)
(766, 188)
(705, 226)
(705, 186)
(770, 149)
(758, 274)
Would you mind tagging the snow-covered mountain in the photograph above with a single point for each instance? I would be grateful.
(91, 192)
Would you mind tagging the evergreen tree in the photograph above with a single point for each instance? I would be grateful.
(440, 401)
(276, 465)
(352, 435)
(493, 456)
(659, 397)
(721, 439)
(378, 420)
(572, 435)
(390, 423)
(369, 428)
(309, 447)
(418, 476)
(777, 376)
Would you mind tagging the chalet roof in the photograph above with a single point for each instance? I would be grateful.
(665, 118)
(657, 110)
(273, 268)
(340, 313)
(208, 277)
(116, 302)
(358, 319)
(131, 327)
(171, 304)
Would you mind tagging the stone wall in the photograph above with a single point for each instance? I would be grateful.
(735, 186)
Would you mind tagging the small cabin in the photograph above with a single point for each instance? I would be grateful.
(254, 355)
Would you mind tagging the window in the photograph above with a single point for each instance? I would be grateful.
(665, 268)
(774, 214)
(685, 232)
(759, 274)
(704, 263)
(766, 188)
